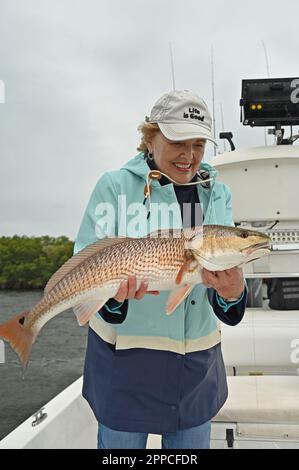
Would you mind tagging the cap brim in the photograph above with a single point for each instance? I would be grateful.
(184, 131)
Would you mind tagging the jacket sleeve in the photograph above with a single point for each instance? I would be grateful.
(100, 221)
(230, 313)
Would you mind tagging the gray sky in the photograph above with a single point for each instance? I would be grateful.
(80, 76)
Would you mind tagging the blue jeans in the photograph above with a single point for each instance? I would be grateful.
(192, 438)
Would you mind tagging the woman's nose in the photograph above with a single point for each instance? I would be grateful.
(189, 150)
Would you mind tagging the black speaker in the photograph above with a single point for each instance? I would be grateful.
(270, 101)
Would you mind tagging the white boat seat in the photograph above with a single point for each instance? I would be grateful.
(261, 400)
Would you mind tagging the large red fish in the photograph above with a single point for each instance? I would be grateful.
(167, 259)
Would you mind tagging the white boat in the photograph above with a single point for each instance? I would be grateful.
(262, 410)
(261, 353)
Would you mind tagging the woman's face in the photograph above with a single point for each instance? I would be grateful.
(179, 160)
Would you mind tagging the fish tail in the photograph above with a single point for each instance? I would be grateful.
(20, 337)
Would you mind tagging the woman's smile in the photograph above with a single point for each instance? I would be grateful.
(183, 167)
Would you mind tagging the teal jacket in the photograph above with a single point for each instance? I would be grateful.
(193, 326)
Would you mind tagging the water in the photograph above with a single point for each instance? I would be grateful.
(56, 361)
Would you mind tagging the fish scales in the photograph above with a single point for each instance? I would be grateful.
(151, 259)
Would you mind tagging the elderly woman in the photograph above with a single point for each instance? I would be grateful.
(146, 372)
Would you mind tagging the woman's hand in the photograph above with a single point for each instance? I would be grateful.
(127, 290)
(228, 283)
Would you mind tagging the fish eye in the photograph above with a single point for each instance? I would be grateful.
(243, 235)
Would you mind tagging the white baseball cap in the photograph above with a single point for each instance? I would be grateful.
(182, 115)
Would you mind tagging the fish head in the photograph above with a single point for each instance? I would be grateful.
(218, 247)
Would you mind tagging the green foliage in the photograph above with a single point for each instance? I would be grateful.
(29, 262)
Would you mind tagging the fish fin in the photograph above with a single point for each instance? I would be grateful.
(183, 269)
(176, 296)
(85, 310)
(190, 263)
(81, 256)
(20, 337)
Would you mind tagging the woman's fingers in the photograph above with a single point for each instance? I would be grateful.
(153, 292)
(143, 290)
(208, 277)
(122, 292)
(131, 287)
(128, 290)
(140, 293)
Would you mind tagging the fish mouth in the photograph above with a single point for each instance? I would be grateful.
(258, 246)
